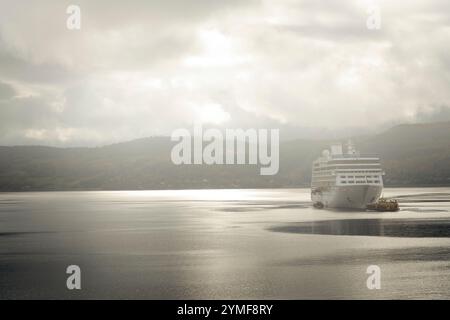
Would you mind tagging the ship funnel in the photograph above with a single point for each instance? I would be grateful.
(351, 147)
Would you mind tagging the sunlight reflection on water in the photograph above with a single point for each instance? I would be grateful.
(218, 244)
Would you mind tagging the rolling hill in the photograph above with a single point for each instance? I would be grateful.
(412, 155)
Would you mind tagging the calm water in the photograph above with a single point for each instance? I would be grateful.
(220, 244)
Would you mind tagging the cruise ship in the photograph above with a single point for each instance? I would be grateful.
(343, 178)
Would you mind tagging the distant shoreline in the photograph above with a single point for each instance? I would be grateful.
(200, 189)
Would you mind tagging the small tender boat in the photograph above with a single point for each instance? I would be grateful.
(384, 204)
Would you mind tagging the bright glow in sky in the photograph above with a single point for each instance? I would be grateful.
(143, 68)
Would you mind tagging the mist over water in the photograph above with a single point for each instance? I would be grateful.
(221, 244)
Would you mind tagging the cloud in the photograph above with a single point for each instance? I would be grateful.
(433, 114)
(140, 68)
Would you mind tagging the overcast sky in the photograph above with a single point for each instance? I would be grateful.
(142, 68)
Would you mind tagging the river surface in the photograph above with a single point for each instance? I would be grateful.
(221, 244)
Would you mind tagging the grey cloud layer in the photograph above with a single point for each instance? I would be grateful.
(147, 67)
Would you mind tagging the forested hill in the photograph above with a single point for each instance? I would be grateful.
(412, 155)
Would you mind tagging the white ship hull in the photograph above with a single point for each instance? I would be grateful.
(355, 196)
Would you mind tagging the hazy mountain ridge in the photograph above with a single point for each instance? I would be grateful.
(416, 154)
